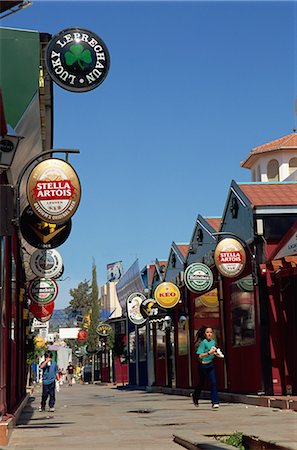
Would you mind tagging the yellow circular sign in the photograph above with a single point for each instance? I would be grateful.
(167, 294)
(53, 190)
(210, 299)
(39, 341)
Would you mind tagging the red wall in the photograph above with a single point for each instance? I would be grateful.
(121, 371)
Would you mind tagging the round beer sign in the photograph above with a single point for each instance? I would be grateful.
(133, 308)
(42, 234)
(53, 190)
(46, 263)
(198, 277)
(230, 257)
(104, 329)
(167, 294)
(77, 59)
(43, 290)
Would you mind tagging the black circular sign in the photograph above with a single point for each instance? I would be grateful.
(6, 145)
(77, 59)
(41, 234)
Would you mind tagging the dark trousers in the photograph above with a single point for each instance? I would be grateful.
(48, 390)
(207, 370)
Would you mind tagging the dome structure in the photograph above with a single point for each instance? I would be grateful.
(274, 161)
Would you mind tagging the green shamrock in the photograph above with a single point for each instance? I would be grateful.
(77, 53)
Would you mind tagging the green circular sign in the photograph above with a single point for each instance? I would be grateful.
(198, 277)
(43, 290)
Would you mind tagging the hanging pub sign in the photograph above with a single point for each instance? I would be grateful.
(41, 234)
(230, 257)
(198, 277)
(43, 290)
(167, 294)
(46, 263)
(133, 308)
(77, 59)
(45, 318)
(82, 335)
(149, 308)
(56, 277)
(104, 329)
(210, 299)
(53, 190)
(40, 311)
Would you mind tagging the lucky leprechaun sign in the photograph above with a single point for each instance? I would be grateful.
(77, 59)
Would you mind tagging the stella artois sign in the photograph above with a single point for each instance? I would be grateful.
(230, 257)
(167, 294)
(53, 190)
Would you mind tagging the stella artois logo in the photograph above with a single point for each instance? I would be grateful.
(53, 190)
(77, 59)
(230, 257)
(167, 294)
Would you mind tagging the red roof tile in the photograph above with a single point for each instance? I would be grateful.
(270, 194)
(214, 222)
(183, 248)
(284, 143)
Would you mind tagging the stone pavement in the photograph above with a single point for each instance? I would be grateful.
(96, 416)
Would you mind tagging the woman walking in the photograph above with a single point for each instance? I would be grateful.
(206, 352)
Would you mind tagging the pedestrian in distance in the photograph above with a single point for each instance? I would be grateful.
(70, 371)
(206, 352)
(49, 370)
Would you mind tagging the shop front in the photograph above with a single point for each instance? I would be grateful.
(257, 215)
(205, 304)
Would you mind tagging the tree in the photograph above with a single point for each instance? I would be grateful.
(92, 337)
(81, 298)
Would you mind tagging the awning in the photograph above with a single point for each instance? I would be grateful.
(283, 267)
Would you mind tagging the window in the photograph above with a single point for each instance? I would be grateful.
(132, 348)
(292, 165)
(161, 347)
(142, 343)
(272, 170)
(183, 345)
(243, 312)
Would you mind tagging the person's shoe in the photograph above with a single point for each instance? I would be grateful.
(195, 400)
(41, 409)
(52, 410)
(215, 406)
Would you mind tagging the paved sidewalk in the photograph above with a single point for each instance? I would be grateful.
(95, 416)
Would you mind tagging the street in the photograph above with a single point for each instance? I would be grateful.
(96, 416)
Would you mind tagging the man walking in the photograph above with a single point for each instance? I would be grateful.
(70, 373)
(49, 376)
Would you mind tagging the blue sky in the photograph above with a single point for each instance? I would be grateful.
(192, 87)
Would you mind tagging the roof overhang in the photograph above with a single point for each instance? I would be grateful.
(253, 157)
(286, 266)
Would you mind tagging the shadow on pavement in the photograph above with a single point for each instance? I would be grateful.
(27, 412)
